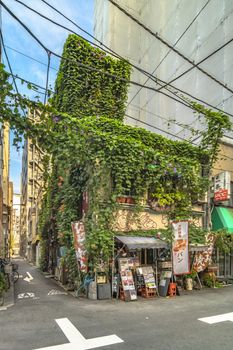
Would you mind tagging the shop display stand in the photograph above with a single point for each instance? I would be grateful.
(146, 276)
(148, 292)
(165, 278)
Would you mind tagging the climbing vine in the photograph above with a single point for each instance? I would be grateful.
(90, 150)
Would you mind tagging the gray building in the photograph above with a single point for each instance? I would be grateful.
(182, 42)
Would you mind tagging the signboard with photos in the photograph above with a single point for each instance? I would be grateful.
(222, 186)
(180, 249)
(148, 276)
(127, 281)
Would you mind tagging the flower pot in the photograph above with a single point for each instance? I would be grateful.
(130, 200)
(189, 284)
(121, 199)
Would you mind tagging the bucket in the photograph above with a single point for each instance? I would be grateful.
(189, 283)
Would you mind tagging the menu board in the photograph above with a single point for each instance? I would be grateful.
(148, 276)
(125, 264)
(128, 263)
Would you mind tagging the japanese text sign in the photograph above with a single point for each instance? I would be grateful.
(180, 251)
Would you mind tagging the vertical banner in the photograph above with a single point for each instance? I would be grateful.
(180, 251)
(79, 244)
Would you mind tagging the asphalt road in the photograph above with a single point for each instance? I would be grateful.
(162, 323)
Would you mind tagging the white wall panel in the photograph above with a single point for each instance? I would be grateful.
(170, 18)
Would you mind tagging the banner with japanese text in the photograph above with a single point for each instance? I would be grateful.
(79, 244)
(180, 247)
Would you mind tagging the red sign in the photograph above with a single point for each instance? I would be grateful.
(221, 195)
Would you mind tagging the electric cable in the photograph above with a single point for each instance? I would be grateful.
(22, 24)
(155, 127)
(10, 68)
(194, 65)
(153, 78)
(91, 68)
(29, 57)
(31, 83)
(88, 67)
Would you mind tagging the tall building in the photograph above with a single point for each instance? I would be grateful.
(5, 191)
(31, 194)
(15, 237)
(175, 41)
(1, 190)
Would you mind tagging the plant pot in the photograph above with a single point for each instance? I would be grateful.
(130, 200)
(189, 284)
(121, 199)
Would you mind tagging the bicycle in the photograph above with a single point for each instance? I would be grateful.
(15, 273)
(3, 288)
(3, 264)
(10, 270)
(83, 287)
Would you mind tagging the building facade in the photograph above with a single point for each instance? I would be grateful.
(165, 38)
(31, 194)
(6, 191)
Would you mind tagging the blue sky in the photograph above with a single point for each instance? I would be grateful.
(53, 37)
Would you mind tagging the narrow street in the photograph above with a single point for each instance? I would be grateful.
(144, 324)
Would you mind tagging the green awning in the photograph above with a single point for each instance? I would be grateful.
(222, 218)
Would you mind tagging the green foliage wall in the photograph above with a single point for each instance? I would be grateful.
(84, 92)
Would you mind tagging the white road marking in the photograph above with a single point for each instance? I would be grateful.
(217, 318)
(26, 295)
(29, 278)
(3, 308)
(56, 292)
(77, 340)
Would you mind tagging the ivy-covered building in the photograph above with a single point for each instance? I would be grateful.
(115, 178)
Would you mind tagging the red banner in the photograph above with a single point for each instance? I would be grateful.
(180, 249)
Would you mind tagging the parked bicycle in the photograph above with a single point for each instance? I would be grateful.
(3, 288)
(10, 270)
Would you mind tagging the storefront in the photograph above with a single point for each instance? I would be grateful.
(222, 218)
(135, 267)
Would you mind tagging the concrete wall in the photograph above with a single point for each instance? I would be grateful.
(170, 19)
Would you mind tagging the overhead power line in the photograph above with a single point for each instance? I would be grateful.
(102, 72)
(29, 57)
(110, 51)
(187, 104)
(194, 65)
(10, 68)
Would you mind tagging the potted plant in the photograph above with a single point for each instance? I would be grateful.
(189, 277)
(3, 287)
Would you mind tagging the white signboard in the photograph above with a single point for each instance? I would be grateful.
(222, 187)
(180, 251)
